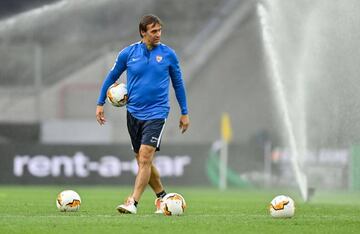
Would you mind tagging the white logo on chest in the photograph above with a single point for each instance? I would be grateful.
(159, 58)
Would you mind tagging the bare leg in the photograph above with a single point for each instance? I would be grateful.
(146, 155)
(154, 182)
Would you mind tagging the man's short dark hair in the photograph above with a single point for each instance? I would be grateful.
(148, 20)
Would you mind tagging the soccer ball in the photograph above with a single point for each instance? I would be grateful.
(282, 207)
(173, 204)
(68, 200)
(117, 94)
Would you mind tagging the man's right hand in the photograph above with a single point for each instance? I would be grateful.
(100, 116)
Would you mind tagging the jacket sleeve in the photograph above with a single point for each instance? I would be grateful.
(113, 75)
(177, 82)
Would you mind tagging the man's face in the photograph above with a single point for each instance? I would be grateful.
(152, 34)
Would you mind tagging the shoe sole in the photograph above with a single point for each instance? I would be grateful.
(123, 211)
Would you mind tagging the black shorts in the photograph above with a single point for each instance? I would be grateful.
(145, 132)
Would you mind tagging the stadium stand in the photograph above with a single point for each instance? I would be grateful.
(65, 44)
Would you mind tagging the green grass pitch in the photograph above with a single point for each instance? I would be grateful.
(32, 209)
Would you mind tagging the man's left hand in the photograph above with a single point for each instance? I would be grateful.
(184, 123)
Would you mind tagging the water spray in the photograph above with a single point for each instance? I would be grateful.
(279, 91)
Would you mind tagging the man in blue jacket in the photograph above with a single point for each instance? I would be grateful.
(150, 67)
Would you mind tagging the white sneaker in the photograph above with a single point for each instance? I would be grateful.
(158, 206)
(128, 207)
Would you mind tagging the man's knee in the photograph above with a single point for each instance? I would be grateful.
(146, 155)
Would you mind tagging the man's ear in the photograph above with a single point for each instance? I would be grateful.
(143, 33)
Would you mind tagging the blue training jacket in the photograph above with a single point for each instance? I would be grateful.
(148, 77)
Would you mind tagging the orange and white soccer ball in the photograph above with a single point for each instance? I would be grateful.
(173, 204)
(117, 94)
(282, 207)
(68, 200)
